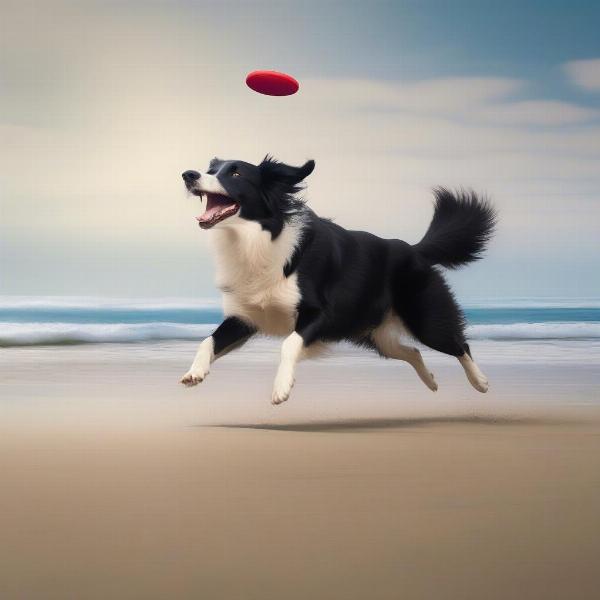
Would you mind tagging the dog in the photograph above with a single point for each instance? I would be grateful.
(284, 271)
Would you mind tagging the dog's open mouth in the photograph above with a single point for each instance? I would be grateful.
(218, 208)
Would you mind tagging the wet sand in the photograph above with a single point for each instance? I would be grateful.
(117, 484)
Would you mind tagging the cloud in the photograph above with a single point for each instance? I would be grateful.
(441, 96)
(584, 73)
(90, 165)
(115, 176)
(537, 113)
(117, 172)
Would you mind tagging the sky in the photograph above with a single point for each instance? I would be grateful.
(104, 104)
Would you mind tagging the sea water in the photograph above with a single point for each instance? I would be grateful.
(26, 321)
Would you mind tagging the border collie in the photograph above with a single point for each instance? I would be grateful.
(285, 271)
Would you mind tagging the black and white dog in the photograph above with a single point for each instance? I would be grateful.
(285, 271)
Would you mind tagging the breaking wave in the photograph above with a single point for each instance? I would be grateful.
(44, 333)
(536, 331)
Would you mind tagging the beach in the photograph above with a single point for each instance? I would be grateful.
(431, 177)
(117, 482)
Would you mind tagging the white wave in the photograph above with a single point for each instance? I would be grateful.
(534, 303)
(34, 334)
(37, 334)
(89, 302)
(535, 331)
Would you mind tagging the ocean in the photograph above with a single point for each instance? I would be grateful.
(49, 321)
(534, 352)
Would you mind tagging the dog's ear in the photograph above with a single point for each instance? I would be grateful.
(273, 171)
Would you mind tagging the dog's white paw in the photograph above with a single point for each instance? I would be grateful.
(281, 390)
(427, 377)
(431, 383)
(193, 377)
(480, 383)
(476, 378)
(201, 364)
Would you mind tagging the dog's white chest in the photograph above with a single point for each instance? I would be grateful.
(250, 273)
(271, 310)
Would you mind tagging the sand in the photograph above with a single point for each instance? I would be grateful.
(117, 484)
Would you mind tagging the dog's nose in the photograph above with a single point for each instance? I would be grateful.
(189, 176)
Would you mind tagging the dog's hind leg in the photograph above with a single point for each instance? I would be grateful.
(435, 319)
(414, 358)
(476, 378)
(386, 341)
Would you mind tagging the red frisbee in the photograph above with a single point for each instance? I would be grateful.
(272, 83)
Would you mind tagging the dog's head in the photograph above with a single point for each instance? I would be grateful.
(236, 189)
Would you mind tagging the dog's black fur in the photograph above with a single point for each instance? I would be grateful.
(350, 280)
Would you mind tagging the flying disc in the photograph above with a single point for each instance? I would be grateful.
(272, 83)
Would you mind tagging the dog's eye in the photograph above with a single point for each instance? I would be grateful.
(235, 174)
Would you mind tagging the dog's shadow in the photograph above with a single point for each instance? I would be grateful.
(354, 425)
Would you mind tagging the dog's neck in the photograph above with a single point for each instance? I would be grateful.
(247, 256)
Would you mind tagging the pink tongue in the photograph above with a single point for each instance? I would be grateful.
(208, 214)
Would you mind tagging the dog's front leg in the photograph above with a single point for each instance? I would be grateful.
(293, 349)
(291, 352)
(230, 334)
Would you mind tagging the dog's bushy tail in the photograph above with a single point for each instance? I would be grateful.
(462, 225)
